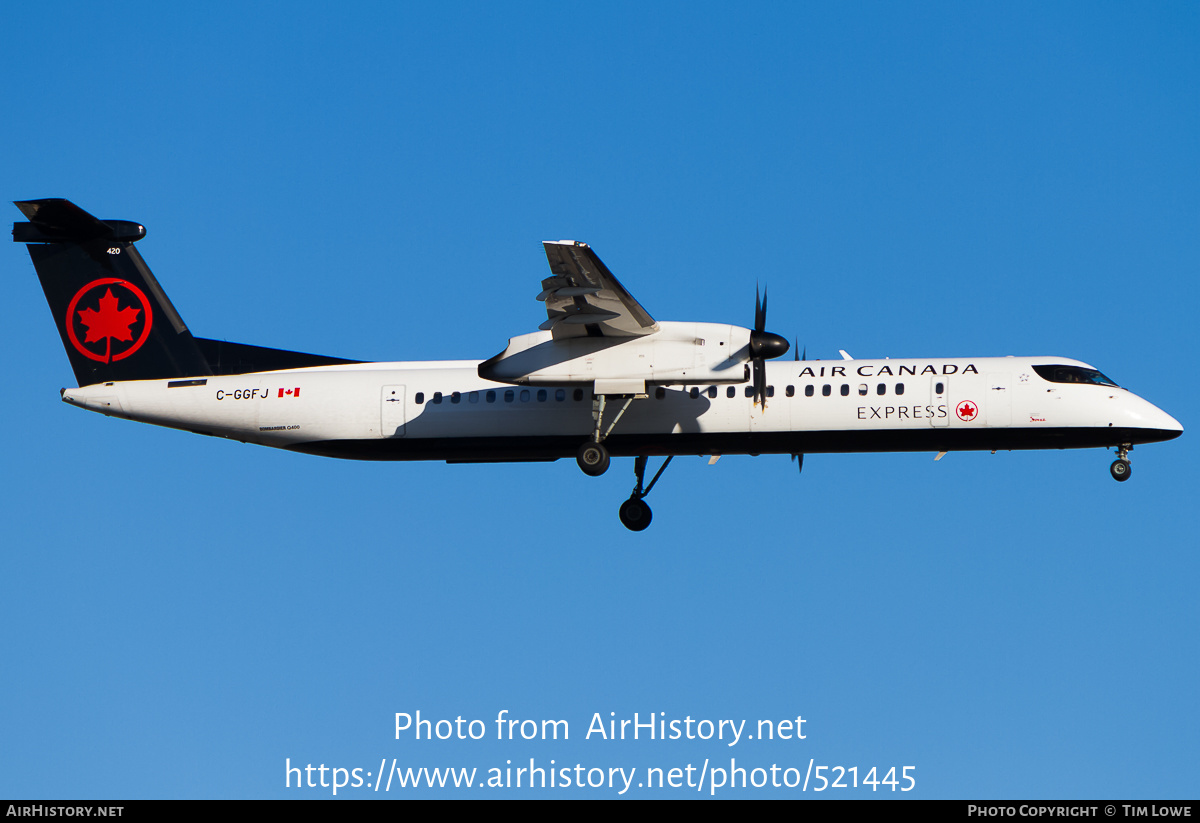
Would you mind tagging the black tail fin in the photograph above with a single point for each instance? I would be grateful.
(115, 320)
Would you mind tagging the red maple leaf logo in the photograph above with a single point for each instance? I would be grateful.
(966, 411)
(108, 323)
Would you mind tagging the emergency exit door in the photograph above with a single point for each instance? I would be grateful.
(391, 412)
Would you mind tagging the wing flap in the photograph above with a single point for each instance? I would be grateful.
(583, 298)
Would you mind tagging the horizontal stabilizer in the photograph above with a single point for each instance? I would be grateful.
(55, 220)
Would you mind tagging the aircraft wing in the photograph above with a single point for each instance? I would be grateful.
(583, 299)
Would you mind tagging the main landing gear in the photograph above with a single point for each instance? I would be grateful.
(1120, 469)
(634, 513)
(592, 457)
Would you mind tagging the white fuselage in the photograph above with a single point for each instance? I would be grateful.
(444, 410)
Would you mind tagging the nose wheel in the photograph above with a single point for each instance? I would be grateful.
(1121, 469)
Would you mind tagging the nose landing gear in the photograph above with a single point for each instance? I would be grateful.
(634, 513)
(1121, 470)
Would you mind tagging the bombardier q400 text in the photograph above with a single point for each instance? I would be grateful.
(601, 377)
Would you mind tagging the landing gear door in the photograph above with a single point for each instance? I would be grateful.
(391, 411)
(939, 400)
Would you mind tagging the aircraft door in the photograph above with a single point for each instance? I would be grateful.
(939, 400)
(392, 412)
(999, 400)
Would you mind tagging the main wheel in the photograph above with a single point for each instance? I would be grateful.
(592, 458)
(1121, 470)
(635, 514)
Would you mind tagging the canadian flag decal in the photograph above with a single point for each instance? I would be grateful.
(290, 392)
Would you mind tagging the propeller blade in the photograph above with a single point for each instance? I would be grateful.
(763, 346)
(760, 383)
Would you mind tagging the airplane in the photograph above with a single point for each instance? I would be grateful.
(599, 378)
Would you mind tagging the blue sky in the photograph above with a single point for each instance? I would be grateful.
(182, 615)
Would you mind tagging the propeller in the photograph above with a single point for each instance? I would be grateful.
(763, 346)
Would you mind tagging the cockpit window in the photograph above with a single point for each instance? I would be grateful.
(1073, 374)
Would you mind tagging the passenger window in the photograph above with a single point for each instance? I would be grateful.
(808, 390)
(881, 389)
(845, 390)
(454, 398)
(660, 393)
(524, 395)
(826, 390)
(749, 391)
(578, 395)
(437, 397)
(509, 395)
(695, 392)
(473, 397)
(899, 388)
(541, 395)
(731, 392)
(420, 398)
(490, 396)
(712, 391)
(560, 395)
(940, 388)
(770, 391)
(862, 389)
(790, 391)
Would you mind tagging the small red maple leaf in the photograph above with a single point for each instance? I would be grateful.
(109, 322)
(967, 411)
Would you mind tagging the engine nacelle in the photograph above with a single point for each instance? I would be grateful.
(677, 353)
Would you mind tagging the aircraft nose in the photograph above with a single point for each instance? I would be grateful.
(1148, 416)
(1169, 423)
